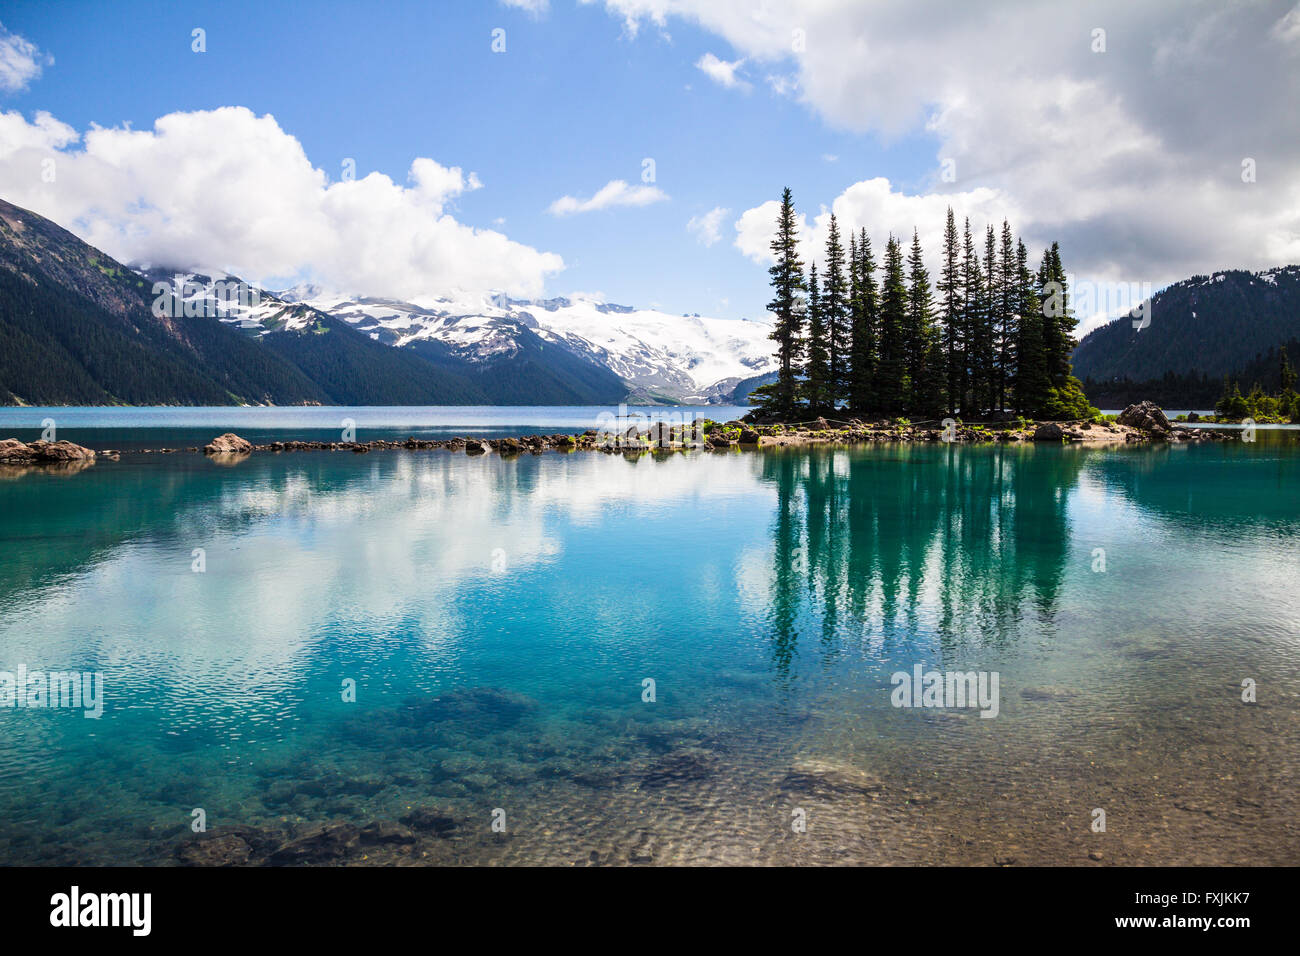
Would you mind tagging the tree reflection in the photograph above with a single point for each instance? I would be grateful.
(915, 545)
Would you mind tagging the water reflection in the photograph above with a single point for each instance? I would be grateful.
(912, 544)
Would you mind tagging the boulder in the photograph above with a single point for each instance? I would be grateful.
(748, 436)
(41, 452)
(475, 447)
(1146, 417)
(1049, 431)
(228, 444)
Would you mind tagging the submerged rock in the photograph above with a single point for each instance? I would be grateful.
(680, 767)
(429, 819)
(484, 707)
(821, 778)
(323, 843)
(227, 846)
(1047, 692)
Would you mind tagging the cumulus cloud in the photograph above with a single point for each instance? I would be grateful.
(226, 189)
(20, 61)
(875, 205)
(707, 227)
(616, 192)
(1131, 157)
(722, 72)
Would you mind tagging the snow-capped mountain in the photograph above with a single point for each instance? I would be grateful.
(557, 350)
(659, 356)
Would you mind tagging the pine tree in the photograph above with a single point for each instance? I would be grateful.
(972, 321)
(863, 337)
(926, 381)
(891, 372)
(988, 322)
(1008, 274)
(786, 306)
(952, 294)
(1059, 321)
(1068, 401)
(818, 379)
(835, 308)
(1033, 388)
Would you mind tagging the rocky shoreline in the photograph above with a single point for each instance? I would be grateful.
(1144, 423)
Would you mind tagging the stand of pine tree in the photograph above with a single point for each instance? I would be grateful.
(995, 342)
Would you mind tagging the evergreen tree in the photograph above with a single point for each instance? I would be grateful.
(835, 308)
(891, 371)
(988, 323)
(927, 388)
(972, 324)
(787, 305)
(1059, 321)
(1068, 401)
(817, 383)
(1032, 386)
(863, 344)
(952, 294)
(1008, 277)
(1004, 342)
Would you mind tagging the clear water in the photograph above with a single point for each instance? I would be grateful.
(499, 618)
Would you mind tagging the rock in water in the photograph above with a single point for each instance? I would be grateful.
(1049, 431)
(228, 444)
(1146, 416)
(42, 452)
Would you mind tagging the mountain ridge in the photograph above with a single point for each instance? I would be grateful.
(79, 327)
(1210, 325)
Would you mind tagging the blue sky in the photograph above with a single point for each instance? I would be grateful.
(573, 103)
(586, 91)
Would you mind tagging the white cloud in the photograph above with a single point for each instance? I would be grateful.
(20, 61)
(616, 192)
(782, 85)
(534, 7)
(1131, 157)
(875, 205)
(722, 72)
(226, 189)
(707, 227)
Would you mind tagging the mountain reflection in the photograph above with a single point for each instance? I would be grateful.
(914, 545)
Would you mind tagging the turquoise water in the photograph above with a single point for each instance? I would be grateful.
(499, 619)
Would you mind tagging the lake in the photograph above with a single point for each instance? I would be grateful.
(668, 659)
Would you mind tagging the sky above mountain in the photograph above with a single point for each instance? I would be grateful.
(634, 149)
